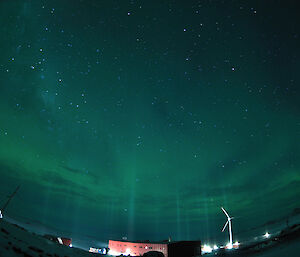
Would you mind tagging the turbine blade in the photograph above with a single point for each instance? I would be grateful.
(225, 226)
(225, 212)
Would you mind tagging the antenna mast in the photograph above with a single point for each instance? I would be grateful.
(10, 197)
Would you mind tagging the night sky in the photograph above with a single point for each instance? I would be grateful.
(142, 118)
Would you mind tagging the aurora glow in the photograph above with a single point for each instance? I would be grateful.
(143, 118)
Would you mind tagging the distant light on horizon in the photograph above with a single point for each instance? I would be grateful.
(206, 249)
(236, 243)
(267, 235)
(229, 246)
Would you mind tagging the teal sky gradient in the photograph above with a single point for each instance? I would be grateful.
(142, 119)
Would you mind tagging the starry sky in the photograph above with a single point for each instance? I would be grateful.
(142, 118)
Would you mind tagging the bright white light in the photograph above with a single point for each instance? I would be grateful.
(127, 251)
(206, 249)
(229, 246)
(1, 216)
(236, 243)
(71, 245)
(113, 253)
(267, 235)
(216, 247)
(92, 250)
(60, 241)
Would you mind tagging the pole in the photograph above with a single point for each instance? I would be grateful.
(9, 198)
(230, 233)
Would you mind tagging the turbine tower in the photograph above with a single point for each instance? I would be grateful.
(228, 222)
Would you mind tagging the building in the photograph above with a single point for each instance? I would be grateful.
(103, 251)
(184, 248)
(169, 249)
(59, 240)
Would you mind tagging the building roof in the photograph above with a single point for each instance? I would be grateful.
(152, 242)
(142, 241)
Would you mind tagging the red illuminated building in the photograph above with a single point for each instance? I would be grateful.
(65, 241)
(60, 240)
(169, 249)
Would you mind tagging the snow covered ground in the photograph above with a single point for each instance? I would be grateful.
(289, 249)
(284, 243)
(16, 241)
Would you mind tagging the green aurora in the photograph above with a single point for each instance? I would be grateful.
(143, 118)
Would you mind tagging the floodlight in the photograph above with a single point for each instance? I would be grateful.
(229, 246)
(206, 249)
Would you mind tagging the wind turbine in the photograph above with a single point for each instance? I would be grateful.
(228, 222)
